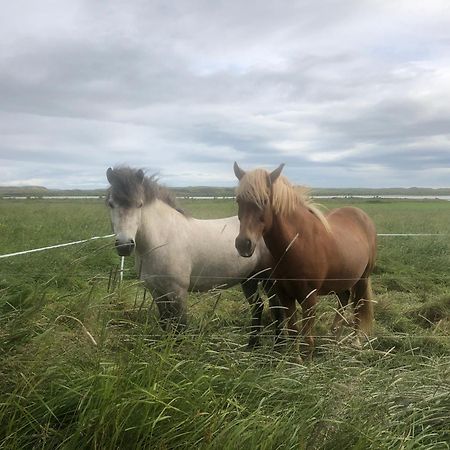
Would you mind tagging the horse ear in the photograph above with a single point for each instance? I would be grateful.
(276, 173)
(238, 171)
(110, 175)
(140, 175)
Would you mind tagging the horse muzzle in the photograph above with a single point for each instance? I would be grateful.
(244, 246)
(125, 248)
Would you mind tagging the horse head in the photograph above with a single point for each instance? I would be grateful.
(125, 199)
(253, 196)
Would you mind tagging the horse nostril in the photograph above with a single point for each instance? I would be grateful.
(248, 244)
(125, 248)
(244, 246)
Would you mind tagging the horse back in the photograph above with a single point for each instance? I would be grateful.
(354, 237)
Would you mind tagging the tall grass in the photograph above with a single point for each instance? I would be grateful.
(133, 386)
(139, 388)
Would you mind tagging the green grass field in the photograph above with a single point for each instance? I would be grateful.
(84, 364)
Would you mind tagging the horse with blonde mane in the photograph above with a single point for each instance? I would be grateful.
(315, 254)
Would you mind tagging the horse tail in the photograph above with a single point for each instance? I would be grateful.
(362, 290)
(364, 300)
(363, 305)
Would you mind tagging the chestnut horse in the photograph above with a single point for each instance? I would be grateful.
(315, 254)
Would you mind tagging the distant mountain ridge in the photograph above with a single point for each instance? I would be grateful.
(22, 190)
(209, 191)
(381, 191)
(40, 191)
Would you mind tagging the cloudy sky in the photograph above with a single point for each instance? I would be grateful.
(346, 93)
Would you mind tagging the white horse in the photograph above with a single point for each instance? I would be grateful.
(176, 253)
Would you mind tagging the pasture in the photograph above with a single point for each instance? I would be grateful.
(84, 363)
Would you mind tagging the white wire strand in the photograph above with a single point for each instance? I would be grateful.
(24, 252)
(8, 255)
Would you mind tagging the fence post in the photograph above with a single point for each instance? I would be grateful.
(122, 262)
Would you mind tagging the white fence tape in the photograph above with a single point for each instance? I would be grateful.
(8, 255)
(411, 234)
(94, 238)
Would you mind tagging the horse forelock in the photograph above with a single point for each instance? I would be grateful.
(255, 187)
(127, 189)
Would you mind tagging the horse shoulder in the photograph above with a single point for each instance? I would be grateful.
(167, 242)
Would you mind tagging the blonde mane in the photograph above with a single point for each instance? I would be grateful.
(254, 187)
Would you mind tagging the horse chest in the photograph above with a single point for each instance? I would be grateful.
(298, 260)
(299, 269)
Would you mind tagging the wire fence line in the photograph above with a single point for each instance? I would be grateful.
(410, 234)
(255, 277)
(67, 244)
(50, 247)
(104, 275)
(231, 278)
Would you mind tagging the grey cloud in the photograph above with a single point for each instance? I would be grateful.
(188, 87)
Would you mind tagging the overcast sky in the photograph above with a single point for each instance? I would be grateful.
(346, 93)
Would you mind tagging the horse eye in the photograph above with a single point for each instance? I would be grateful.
(140, 205)
(110, 204)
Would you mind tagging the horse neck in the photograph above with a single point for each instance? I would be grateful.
(284, 230)
(159, 222)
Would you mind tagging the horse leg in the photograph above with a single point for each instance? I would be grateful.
(293, 329)
(309, 315)
(362, 308)
(343, 298)
(276, 311)
(250, 289)
(173, 310)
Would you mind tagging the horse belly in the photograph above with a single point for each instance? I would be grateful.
(204, 283)
(336, 285)
(223, 276)
(344, 273)
(224, 270)
(300, 279)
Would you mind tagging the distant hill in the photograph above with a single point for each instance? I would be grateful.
(203, 191)
(381, 191)
(22, 190)
(208, 191)
(40, 191)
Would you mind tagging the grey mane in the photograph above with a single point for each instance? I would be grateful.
(126, 188)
